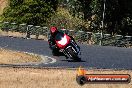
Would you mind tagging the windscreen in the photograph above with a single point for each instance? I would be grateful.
(59, 36)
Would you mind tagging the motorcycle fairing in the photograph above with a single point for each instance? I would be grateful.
(62, 40)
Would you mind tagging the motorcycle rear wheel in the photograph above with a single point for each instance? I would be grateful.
(55, 52)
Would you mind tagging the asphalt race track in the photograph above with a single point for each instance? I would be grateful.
(92, 56)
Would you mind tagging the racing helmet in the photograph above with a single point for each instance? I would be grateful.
(53, 30)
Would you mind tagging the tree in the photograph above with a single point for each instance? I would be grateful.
(118, 15)
(35, 12)
(125, 17)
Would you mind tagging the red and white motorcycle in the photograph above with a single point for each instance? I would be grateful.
(67, 46)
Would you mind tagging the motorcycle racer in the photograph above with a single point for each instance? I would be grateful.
(52, 44)
(51, 40)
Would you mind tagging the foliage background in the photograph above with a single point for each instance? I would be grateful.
(73, 14)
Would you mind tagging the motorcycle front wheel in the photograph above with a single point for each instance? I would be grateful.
(73, 55)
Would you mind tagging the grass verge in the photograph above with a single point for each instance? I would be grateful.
(51, 78)
(11, 57)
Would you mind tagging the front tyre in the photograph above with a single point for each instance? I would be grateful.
(73, 54)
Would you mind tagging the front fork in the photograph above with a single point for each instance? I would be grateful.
(66, 52)
(76, 46)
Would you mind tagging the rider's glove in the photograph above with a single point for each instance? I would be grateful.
(53, 46)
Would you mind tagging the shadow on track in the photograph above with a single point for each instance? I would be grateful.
(73, 60)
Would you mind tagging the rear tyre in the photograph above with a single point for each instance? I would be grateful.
(74, 55)
(55, 52)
